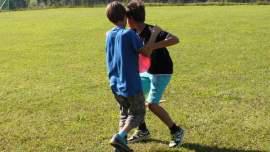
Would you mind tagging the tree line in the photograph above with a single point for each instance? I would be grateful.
(17, 4)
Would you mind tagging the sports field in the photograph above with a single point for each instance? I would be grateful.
(54, 94)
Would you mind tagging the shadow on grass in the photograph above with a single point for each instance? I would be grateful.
(199, 147)
(204, 148)
(156, 141)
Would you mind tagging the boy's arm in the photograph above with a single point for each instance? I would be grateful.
(150, 46)
(168, 41)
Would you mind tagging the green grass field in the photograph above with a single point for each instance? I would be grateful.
(54, 94)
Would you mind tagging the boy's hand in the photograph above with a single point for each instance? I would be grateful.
(149, 47)
(155, 30)
(147, 50)
(154, 33)
(168, 41)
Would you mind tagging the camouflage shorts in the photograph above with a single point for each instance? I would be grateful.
(132, 109)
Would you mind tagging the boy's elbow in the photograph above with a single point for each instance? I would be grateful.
(176, 40)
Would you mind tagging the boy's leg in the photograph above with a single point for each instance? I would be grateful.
(123, 107)
(162, 114)
(136, 112)
(158, 86)
(132, 114)
(119, 140)
(146, 83)
(142, 132)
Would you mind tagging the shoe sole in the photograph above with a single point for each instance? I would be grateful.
(139, 139)
(120, 147)
(161, 101)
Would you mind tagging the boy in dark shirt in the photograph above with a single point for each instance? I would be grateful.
(156, 78)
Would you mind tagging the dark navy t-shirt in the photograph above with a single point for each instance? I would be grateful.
(161, 62)
(122, 49)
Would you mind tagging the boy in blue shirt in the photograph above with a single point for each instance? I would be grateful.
(122, 49)
(157, 77)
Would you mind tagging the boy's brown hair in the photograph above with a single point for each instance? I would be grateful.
(136, 10)
(115, 12)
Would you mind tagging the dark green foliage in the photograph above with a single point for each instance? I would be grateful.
(17, 4)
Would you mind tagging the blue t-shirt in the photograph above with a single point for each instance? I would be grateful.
(122, 49)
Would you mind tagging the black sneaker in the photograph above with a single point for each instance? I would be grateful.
(138, 136)
(177, 138)
(120, 144)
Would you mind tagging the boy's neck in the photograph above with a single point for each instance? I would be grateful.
(120, 24)
(140, 27)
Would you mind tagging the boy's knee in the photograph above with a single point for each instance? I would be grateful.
(135, 120)
(152, 106)
(146, 105)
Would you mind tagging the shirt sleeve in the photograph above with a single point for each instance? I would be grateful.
(162, 36)
(136, 42)
(106, 39)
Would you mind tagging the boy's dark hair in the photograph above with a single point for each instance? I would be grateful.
(115, 12)
(136, 10)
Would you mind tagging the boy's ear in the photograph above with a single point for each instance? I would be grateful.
(130, 18)
(133, 21)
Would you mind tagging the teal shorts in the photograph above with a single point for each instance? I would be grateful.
(154, 86)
